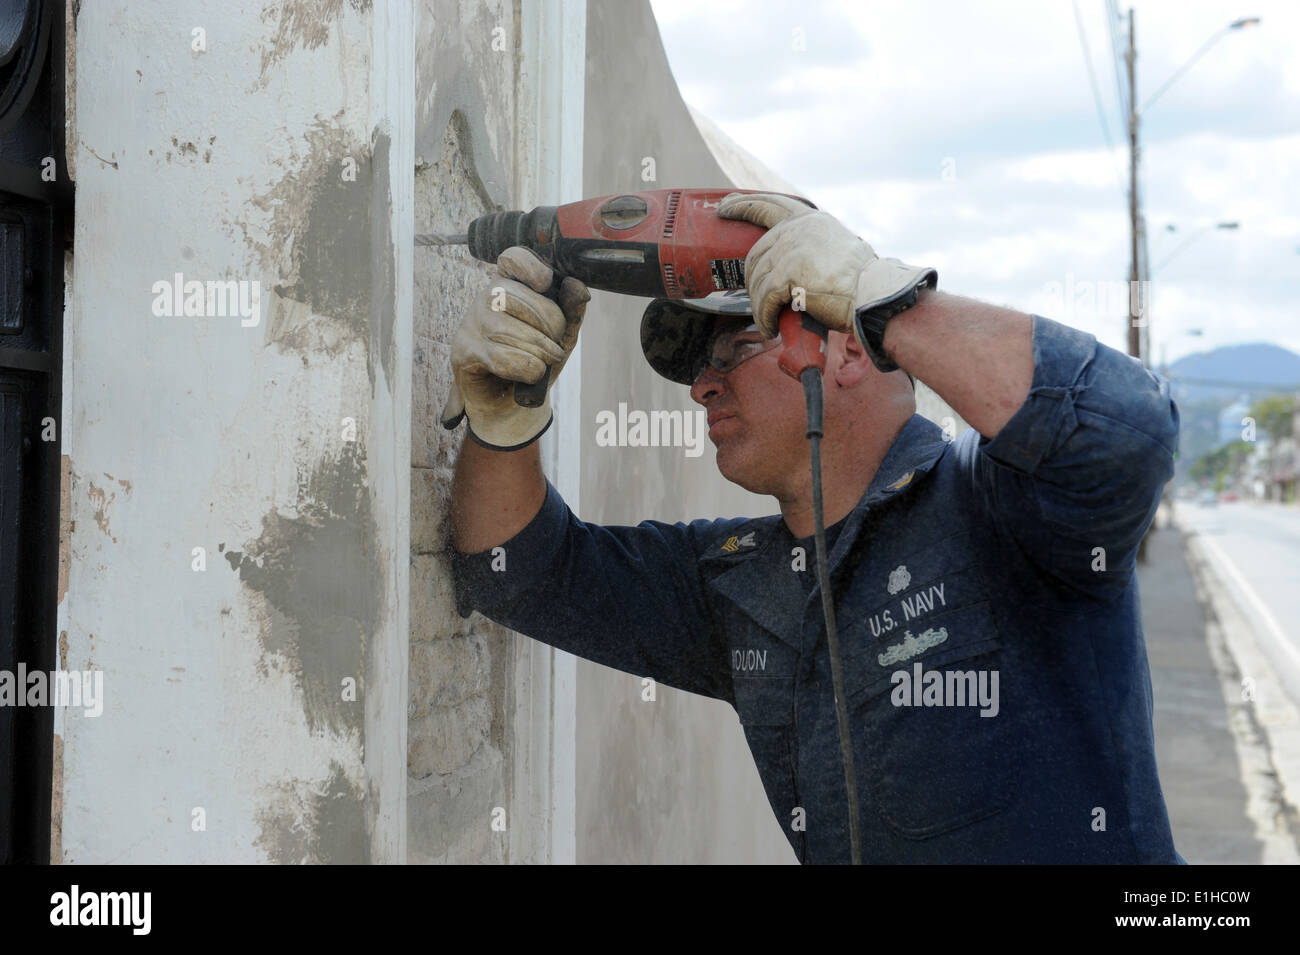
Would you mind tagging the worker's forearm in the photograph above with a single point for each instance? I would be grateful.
(979, 358)
(494, 495)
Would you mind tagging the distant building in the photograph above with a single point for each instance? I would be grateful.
(1273, 470)
(1282, 477)
(1230, 420)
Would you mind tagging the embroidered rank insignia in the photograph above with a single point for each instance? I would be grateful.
(902, 482)
(899, 578)
(733, 544)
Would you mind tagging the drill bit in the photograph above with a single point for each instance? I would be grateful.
(439, 238)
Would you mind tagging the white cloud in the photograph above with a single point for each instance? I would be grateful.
(888, 93)
(1093, 167)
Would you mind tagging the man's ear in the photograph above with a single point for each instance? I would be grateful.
(856, 365)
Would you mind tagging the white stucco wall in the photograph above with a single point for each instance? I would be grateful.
(274, 145)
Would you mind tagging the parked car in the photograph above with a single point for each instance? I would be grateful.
(1207, 499)
(1228, 497)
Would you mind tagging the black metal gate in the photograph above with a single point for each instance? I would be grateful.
(35, 229)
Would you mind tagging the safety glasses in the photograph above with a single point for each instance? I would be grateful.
(731, 345)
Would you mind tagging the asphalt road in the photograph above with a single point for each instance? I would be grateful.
(1256, 550)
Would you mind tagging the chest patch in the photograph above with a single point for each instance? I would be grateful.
(912, 646)
(899, 579)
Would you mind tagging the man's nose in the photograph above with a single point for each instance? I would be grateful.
(708, 384)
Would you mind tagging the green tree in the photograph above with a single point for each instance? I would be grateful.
(1275, 415)
(1221, 464)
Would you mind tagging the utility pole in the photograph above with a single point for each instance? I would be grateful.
(1137, 303)
(1139, 273)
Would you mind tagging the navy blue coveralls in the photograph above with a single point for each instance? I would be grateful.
(1010, 560)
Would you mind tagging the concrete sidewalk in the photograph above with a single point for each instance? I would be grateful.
(1215, 769)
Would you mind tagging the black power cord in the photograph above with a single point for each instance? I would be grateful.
(811, 379)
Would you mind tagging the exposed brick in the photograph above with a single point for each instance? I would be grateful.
(428, 503)
(433, 608)
(449, 818)
(447, 672)
(423, 415)
(458, 684)
(446, 738)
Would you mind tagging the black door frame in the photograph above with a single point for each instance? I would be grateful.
(35, 231)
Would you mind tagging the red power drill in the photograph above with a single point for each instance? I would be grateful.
(666, 243)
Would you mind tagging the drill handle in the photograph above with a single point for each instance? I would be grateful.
(533, 395)
(804, 339)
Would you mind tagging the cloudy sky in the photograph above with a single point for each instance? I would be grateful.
(967, 137)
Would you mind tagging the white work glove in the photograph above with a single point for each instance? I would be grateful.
(806, 248)
(494, 348)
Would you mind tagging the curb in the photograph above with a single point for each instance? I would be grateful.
(1265, 725)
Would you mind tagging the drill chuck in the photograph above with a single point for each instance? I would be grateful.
(493, 233)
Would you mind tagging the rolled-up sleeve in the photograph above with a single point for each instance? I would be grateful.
(1074, 478)
(627, 597)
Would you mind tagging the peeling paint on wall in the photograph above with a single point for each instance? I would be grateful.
(102, 502)
(315, 823)
(320, 220)
(319, 575)
(302, 23)
(328, 240)
(56, 804)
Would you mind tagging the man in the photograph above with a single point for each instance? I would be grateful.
(994, 665)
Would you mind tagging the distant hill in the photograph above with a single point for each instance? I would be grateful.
(1256, 369)
(1205, 383)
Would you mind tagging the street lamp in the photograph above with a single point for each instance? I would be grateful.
(1226, 226)
(1137, 257)
(1239, 24)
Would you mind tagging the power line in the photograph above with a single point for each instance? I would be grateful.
(1186, 66)
(1096, 95)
